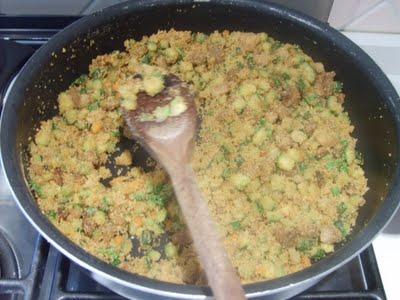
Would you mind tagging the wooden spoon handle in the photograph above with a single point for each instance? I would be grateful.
(220, 273)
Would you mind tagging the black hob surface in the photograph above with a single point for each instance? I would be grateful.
(32, 269)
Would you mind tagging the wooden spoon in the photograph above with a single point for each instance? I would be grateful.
(171, 143)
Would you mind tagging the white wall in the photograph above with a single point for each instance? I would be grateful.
(366, 15)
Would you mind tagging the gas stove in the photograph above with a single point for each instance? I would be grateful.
(30, 268)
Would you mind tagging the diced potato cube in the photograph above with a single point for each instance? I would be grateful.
(186, 66)
(285, 162)
(239, 105)
(129, 104)
(170, 250)
(43, 137)
(267, 203)
(171, 55)
(294, 154)
(161, 113)
(350, 155)
(298, 136)
(334, 106)
(99, 217)
(97, 126)
(177, 106)
(71, 116)
(153, 85)
(154, 255)
(260, 137)
(124, 159)
(240, 181)
(65, 102)
(308, 72)
(247, 89)
(151, 46)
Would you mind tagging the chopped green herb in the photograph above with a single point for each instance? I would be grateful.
(239, 160)
(112, 255)
(335, 191)
(97, 73)
(260, 208)
(160, 194)
(276, 45)
(240, 65)
(311, 99)
(339, 225)
(116, 133)
(277, 82)
(53, 126)
(302, 167)
(201, 37)
(91, 211)
(307, 115)
(286, 76)
(226, 173)
(331, 165)
(93, 106)
(344, 143)
(250, 61)
(343, 167)
(146, 59)
(337, 87)
(262, 122)
(80, 80)
(138, 197)
(36, 188)
(83, 91)
(301, 85)
(320, 254)
(225, 151)
(236, 225)
(238, 50)
(305, 245)
(341, 209)
(52, 214)
(146, 238)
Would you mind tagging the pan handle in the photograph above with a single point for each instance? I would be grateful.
(12, 56)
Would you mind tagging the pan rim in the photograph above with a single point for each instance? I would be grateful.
(32, 212)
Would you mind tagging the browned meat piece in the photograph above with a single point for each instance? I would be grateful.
(324, 83)
(58, 178)
(249, 42)
(221, 89)
(262, 59)
(308, 229)
(78, 99)
(340, 98)
(283, 140)
(329, 234)
(287, 237)
(88, 225)
(309, 127)
(291, 96)
(197, 55)
(320, 178)
(181, 238)
(215, 54)
(62, 213)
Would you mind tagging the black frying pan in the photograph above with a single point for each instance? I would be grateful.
(372, 103)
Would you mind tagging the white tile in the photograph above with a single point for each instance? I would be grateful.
(385, 17)
(345, 11)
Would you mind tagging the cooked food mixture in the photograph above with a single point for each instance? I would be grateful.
(274, 158)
